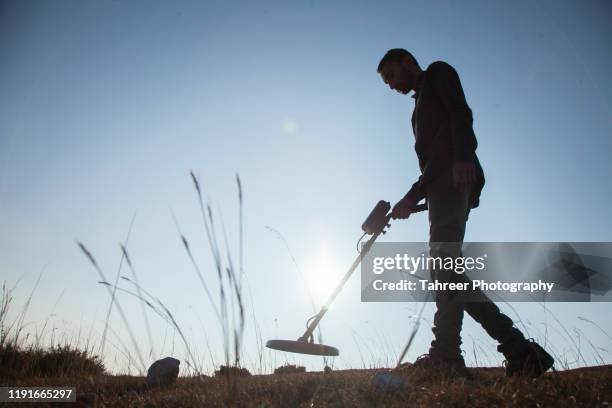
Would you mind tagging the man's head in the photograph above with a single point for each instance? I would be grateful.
(400, 70)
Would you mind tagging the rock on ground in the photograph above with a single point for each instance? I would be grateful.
(163, 372)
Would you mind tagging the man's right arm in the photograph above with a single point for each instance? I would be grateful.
(403, 207)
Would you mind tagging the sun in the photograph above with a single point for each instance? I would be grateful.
(322, 275)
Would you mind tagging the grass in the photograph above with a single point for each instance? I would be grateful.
(229, 309)
(56, 361)
(290, 369)
(18, 360)
(351, 388)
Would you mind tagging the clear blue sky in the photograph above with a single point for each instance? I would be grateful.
(106, 106)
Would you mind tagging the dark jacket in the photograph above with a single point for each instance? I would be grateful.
(442, 126)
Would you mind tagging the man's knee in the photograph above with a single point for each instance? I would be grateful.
(445, 248)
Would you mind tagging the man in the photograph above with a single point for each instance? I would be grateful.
(451, 180)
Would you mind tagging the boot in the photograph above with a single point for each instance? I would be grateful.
(454, 368)
(525, 358)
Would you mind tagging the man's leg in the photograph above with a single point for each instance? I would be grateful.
(448, 209)
(497, 325)
(448, 214)
(523, 357)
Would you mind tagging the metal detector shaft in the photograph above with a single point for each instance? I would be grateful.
(314, 322)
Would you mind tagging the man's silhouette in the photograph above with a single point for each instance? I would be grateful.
(451, 180)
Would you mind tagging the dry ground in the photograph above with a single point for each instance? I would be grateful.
(588, 387)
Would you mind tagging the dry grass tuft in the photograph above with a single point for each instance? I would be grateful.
(290, 369)
(57, 361)
(232, 371)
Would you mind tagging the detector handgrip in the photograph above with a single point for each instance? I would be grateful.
(380, 216)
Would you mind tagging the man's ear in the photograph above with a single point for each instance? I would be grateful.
(407, 64)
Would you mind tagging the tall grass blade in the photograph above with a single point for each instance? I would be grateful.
(112, 300)
(119, 308)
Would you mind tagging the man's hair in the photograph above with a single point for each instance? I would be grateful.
(396, 55)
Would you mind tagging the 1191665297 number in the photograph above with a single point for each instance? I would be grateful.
(37, 394)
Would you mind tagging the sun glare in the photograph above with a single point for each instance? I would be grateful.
(323, 275)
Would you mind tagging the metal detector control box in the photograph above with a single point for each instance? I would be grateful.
(377, 220)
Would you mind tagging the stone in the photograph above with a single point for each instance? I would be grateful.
(163, 372)
(389, 381)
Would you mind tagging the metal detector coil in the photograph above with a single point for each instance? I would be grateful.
(303, 347)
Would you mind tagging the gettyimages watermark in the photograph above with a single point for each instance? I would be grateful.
(501, 271)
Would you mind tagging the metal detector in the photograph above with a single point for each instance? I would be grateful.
(374, 225)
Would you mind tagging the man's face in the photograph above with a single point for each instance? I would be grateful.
(397, 77)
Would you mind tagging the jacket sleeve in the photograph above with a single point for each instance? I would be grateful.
(448, 87)
(416, 192)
